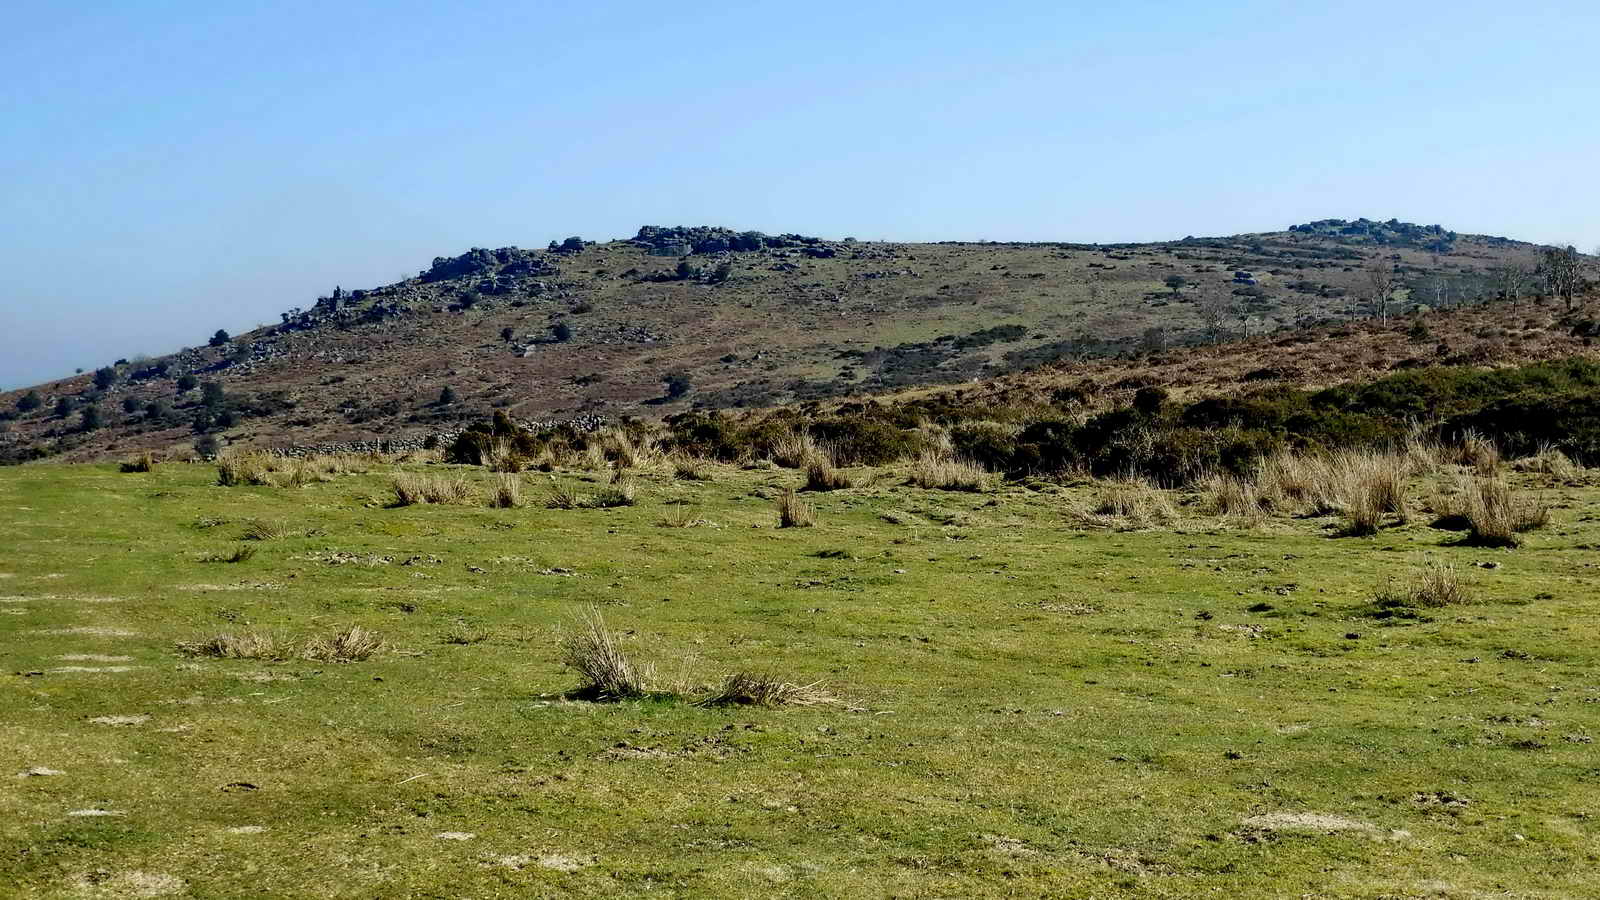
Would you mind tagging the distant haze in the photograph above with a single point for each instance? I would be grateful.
(171, 169)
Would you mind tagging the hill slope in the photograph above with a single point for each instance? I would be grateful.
(744, 319)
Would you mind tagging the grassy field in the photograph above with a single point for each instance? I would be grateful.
(1025, 707)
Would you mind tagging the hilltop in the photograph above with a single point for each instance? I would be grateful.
(684, 317)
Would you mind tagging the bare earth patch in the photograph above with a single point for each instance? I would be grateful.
(63, 670)
(90, 631)
(93, 657)
(455, 835)
(120, 720)
(94, 813)
(128, 884)
(1317, 823)
(558, 862)
(247, 829)
(40, 772)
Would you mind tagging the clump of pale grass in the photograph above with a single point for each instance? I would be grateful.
(1365, 485)
(242, 553)
(688, 467)
(411, 489)
(627, 449)
(1434, 584)
(143, 462)
(794, 512)
(244, 467)
(680, 515)
(1490, 512)
(500, 455)
(265, 530)
(623, 491)
(507, 492)
(463, 634)
(605, 670)
(749, 689)
(241, 645)
(562, 496)
(352, 644)
(943, 472)
(796, 450)
(1127, 504)
(822, 476)
(1552, 462)
(1236, 497)
(1478, 452)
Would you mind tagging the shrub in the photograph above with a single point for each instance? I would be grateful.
(187, 383)
(606, 672)
(677, 384)
(561, 331)
(794, 512)
(220, 338)
(29, 402)
(947, 473)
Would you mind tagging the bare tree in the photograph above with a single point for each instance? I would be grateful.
(1214, 308)
(1563, 274)
(1299, 303)
(1511, 280)
(1380, 278)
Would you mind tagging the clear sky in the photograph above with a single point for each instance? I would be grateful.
(170, 168)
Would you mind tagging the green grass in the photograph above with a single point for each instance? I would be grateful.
(1026, 708)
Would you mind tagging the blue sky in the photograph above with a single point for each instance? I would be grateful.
(172, 168)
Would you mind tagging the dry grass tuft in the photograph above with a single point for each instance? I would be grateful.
(1127, 505)
(623, 491)
(244, 467)
(1478, 452)
(500, 455)
(691, 468)
(1491, 513)
(606, 671)
(241, 645)
(507, 492)
(144, 462)
(353, 644)
(410, 490)
(1552, 462)
(682, 516)
(796, 450)
(1435, 584)
(562, 496)
(794, 512)
(263, 530)
(242, 553)
(745, 689)
(822, 476)
(947, 473)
